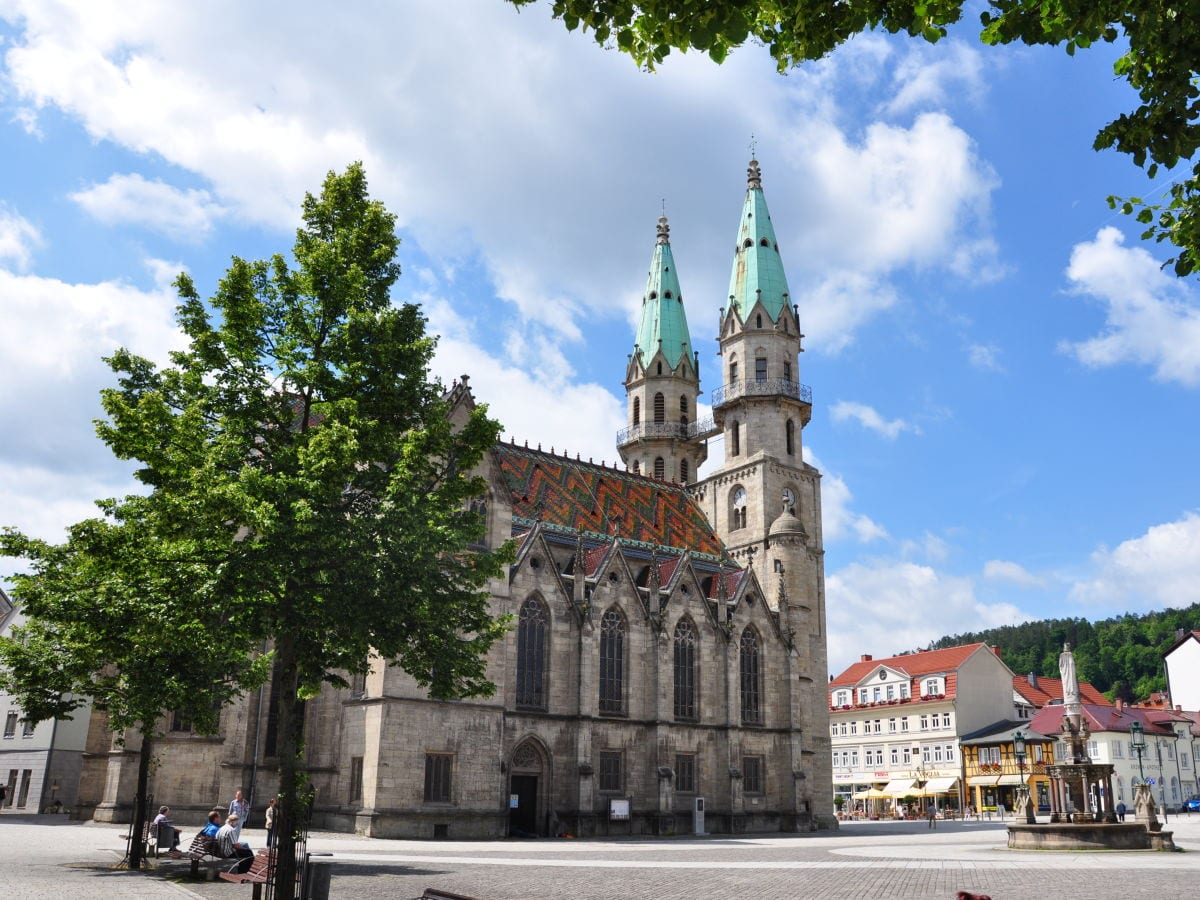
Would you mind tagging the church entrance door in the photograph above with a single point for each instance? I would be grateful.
(523, 820)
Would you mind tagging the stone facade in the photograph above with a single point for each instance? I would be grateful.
(663, 651)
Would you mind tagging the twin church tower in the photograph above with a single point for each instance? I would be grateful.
(763, 500)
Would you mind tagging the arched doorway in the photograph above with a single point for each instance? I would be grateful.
(529, 785)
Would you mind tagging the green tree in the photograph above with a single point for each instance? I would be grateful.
(301, 440)
(1161, 42)
(121, 616)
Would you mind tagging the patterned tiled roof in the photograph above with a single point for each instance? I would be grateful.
(585, 497)
(927, 662)
(1048, 689)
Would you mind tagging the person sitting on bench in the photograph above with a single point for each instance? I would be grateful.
(164, 828)
(231, 848)
(214, 824)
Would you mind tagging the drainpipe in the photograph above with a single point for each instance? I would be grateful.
(46, 771)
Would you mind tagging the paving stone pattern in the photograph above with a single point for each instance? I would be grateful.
(49, 859)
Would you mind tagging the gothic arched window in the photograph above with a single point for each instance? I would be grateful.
(760, 368)
(789, 435)
(733, 371)
(735, 439)
(660, 409)
(685, 670)
(531, 655)
(683, 410)
(660, 468)
(637, 410)
(751, 671)
(612, 662)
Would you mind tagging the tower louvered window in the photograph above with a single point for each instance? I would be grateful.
(531, 655)
(683, 471)
(637, 410)
(685, 670)
(735, 439)
(612, 663)
(751, 671)
(789, 434)
(660, 409)
(683, 411)
(660, 468)
(760, 368)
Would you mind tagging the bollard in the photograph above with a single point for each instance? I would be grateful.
(317, 876)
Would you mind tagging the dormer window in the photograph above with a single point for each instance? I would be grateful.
(933, 686)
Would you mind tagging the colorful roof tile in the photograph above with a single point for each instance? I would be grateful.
(584, 497)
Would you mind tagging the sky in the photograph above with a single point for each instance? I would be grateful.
(1005, 382)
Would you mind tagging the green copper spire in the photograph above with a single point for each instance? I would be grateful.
(664, 322)
(757, 267)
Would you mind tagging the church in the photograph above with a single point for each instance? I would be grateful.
(668, 650)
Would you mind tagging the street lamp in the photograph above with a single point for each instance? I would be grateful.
(1137, 740)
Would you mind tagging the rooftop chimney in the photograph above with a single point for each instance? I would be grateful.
(1119, 704)
(1032, 679)
(996, 650)
(866, 657)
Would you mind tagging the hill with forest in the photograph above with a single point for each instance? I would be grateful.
(1121, 656)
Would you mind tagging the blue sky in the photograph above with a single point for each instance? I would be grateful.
(1005, 383)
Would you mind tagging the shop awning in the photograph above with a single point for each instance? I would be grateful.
(983, 780)
(1011, 780)
(940, 785)
(900, 788)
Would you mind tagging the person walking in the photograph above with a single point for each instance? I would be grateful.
(931, 814)
(240, 808)
(270, 814)
(1121, 811)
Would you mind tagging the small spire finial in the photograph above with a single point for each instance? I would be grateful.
(753, 176)
(664, 230)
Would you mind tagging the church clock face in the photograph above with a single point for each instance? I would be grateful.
(789, 499)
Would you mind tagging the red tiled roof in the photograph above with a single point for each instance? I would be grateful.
(1048, 689)
(582, 496)
(1048, 721)
(926, 662)
(592, 559)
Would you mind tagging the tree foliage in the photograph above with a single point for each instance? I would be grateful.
(1161, 43)
(1121, 656)
(124, 617)
(300, 440)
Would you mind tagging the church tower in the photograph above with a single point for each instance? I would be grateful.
(763, 499)
(662, 379)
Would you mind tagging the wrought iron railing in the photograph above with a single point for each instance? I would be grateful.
(678, 430)
(762, 387)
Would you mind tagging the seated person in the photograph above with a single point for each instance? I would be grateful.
(229, 847)
(164, 828)
(214, 824)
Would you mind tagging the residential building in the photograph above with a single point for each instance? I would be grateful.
(895, 723)
(1182, 661)
(40, 762)
(1033, 692)
(993, 772)
(669, 638)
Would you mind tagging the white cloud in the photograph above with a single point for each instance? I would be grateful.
(889, 607)
(838, 520)
(869, 418)
(985, 357)
(18, 238)
(929, 547)
(1012, 573)
(131, 199)
(1151, 317)
(1159, 568)
(925, 78)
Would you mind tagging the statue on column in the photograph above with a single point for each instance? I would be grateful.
(1070, 681)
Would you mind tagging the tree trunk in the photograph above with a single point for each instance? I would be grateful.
(291, 813)
(139, 801)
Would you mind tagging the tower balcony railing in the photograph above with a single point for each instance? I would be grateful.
(677, 430)
(762, 387)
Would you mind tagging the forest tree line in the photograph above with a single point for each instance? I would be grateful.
(1121, 656)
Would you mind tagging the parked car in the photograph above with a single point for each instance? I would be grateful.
(1192, 805)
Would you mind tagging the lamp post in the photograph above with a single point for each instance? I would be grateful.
(1137, 740)
(1025, 798)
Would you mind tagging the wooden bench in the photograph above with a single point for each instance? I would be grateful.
(203, 849)
(436, 894)
(257, 874)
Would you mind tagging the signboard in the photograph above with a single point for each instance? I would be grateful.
(619, 810)
(514, 800)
